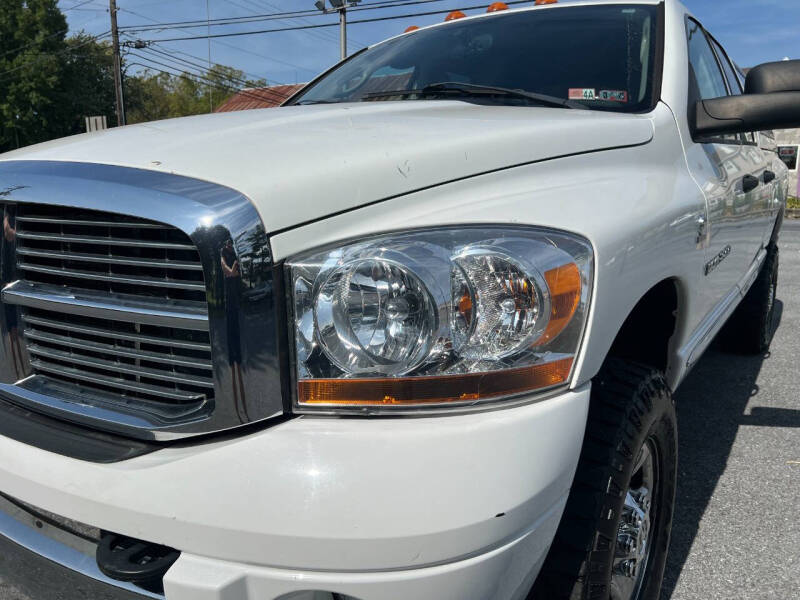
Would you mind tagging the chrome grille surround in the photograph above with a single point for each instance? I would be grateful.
(113, 285)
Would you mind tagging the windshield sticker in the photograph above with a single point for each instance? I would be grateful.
(582, 94)
(613, 95)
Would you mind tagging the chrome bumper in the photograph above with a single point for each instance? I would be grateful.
(40, 560)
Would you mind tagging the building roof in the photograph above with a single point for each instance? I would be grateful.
(265, 97)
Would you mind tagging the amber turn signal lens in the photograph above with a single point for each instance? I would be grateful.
(438, 389)
(496, 6)
(565, 295)
(456, 14)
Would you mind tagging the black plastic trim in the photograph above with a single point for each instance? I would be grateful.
(751, 112)
(774, 77)
(135, 561)
(67, 439)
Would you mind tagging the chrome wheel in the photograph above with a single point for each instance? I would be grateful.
(634, 533)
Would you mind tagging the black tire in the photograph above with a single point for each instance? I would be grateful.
(752, 325)
(631, 405)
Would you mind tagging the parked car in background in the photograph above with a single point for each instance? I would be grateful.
(416, 341)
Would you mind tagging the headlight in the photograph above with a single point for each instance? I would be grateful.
(442, 317)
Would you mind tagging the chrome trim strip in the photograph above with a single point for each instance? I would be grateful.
(94, 276)
(705, 332)
(52, 338)
(138, 225)
(131, 337)
(113, 260)
(240, 315)
(57, 300)
(708, 328)
(54, 549)
(106, 414)
(114, 366)
(117, 382)
(102, 241)
(755, 268)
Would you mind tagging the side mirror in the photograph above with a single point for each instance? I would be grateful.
(771, 101)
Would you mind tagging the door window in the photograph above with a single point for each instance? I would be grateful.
(727, 68)
(709, 82)
(709, 79)
(734, 83)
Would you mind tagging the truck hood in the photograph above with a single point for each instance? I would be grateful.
(300, 163)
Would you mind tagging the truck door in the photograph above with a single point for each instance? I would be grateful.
(730, 174)
(758, 161)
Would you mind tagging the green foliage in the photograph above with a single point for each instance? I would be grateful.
(49, 83)
(793, 202)
(31, 39)
(150, 96)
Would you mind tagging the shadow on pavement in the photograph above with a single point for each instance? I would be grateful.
(711, 405)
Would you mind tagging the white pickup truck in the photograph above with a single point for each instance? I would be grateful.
(412, 335)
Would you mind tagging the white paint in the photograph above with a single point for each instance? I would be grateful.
(381, 509)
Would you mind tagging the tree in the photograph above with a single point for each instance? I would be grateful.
(31, 42)
(150, 96)
(49, 83)
(87, 84)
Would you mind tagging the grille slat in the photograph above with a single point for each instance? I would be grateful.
(104, 241)
(89, 223)
(113, 306)
(96, 276)
(88, 346)
(120, 367)
(112, 260)
(105, 381)
(131, 337)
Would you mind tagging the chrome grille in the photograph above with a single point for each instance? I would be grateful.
(119, 258)
(117, 312)
(97, 251)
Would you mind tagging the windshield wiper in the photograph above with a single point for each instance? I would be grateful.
(310, 102)
(455, 88)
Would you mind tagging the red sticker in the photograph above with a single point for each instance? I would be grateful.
(582, 94)
(613, 95)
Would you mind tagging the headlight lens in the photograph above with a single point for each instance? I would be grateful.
(444, 317)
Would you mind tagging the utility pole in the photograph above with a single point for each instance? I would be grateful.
(341, 7)
(112, 8)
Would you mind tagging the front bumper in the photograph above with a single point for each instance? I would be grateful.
(431, 508)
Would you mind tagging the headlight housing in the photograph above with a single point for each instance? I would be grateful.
(446, 317)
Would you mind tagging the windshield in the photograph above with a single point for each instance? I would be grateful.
(599, 56)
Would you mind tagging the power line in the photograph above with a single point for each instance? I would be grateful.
(320, 25)
(171, 53)
(217, 84)
(166, 56)
(79, 4)
(272, 16)
(58, 53)
(277, 60)
(187, 67)
(195, 57)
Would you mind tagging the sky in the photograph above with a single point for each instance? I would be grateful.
(753, 31)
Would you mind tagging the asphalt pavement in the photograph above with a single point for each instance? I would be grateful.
(736, 533)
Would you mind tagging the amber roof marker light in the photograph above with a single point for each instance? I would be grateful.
(543, 2)
(411, 28)
(456, 14)
(497, 6)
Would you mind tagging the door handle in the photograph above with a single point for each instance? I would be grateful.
(769, 176)
(749, 183)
